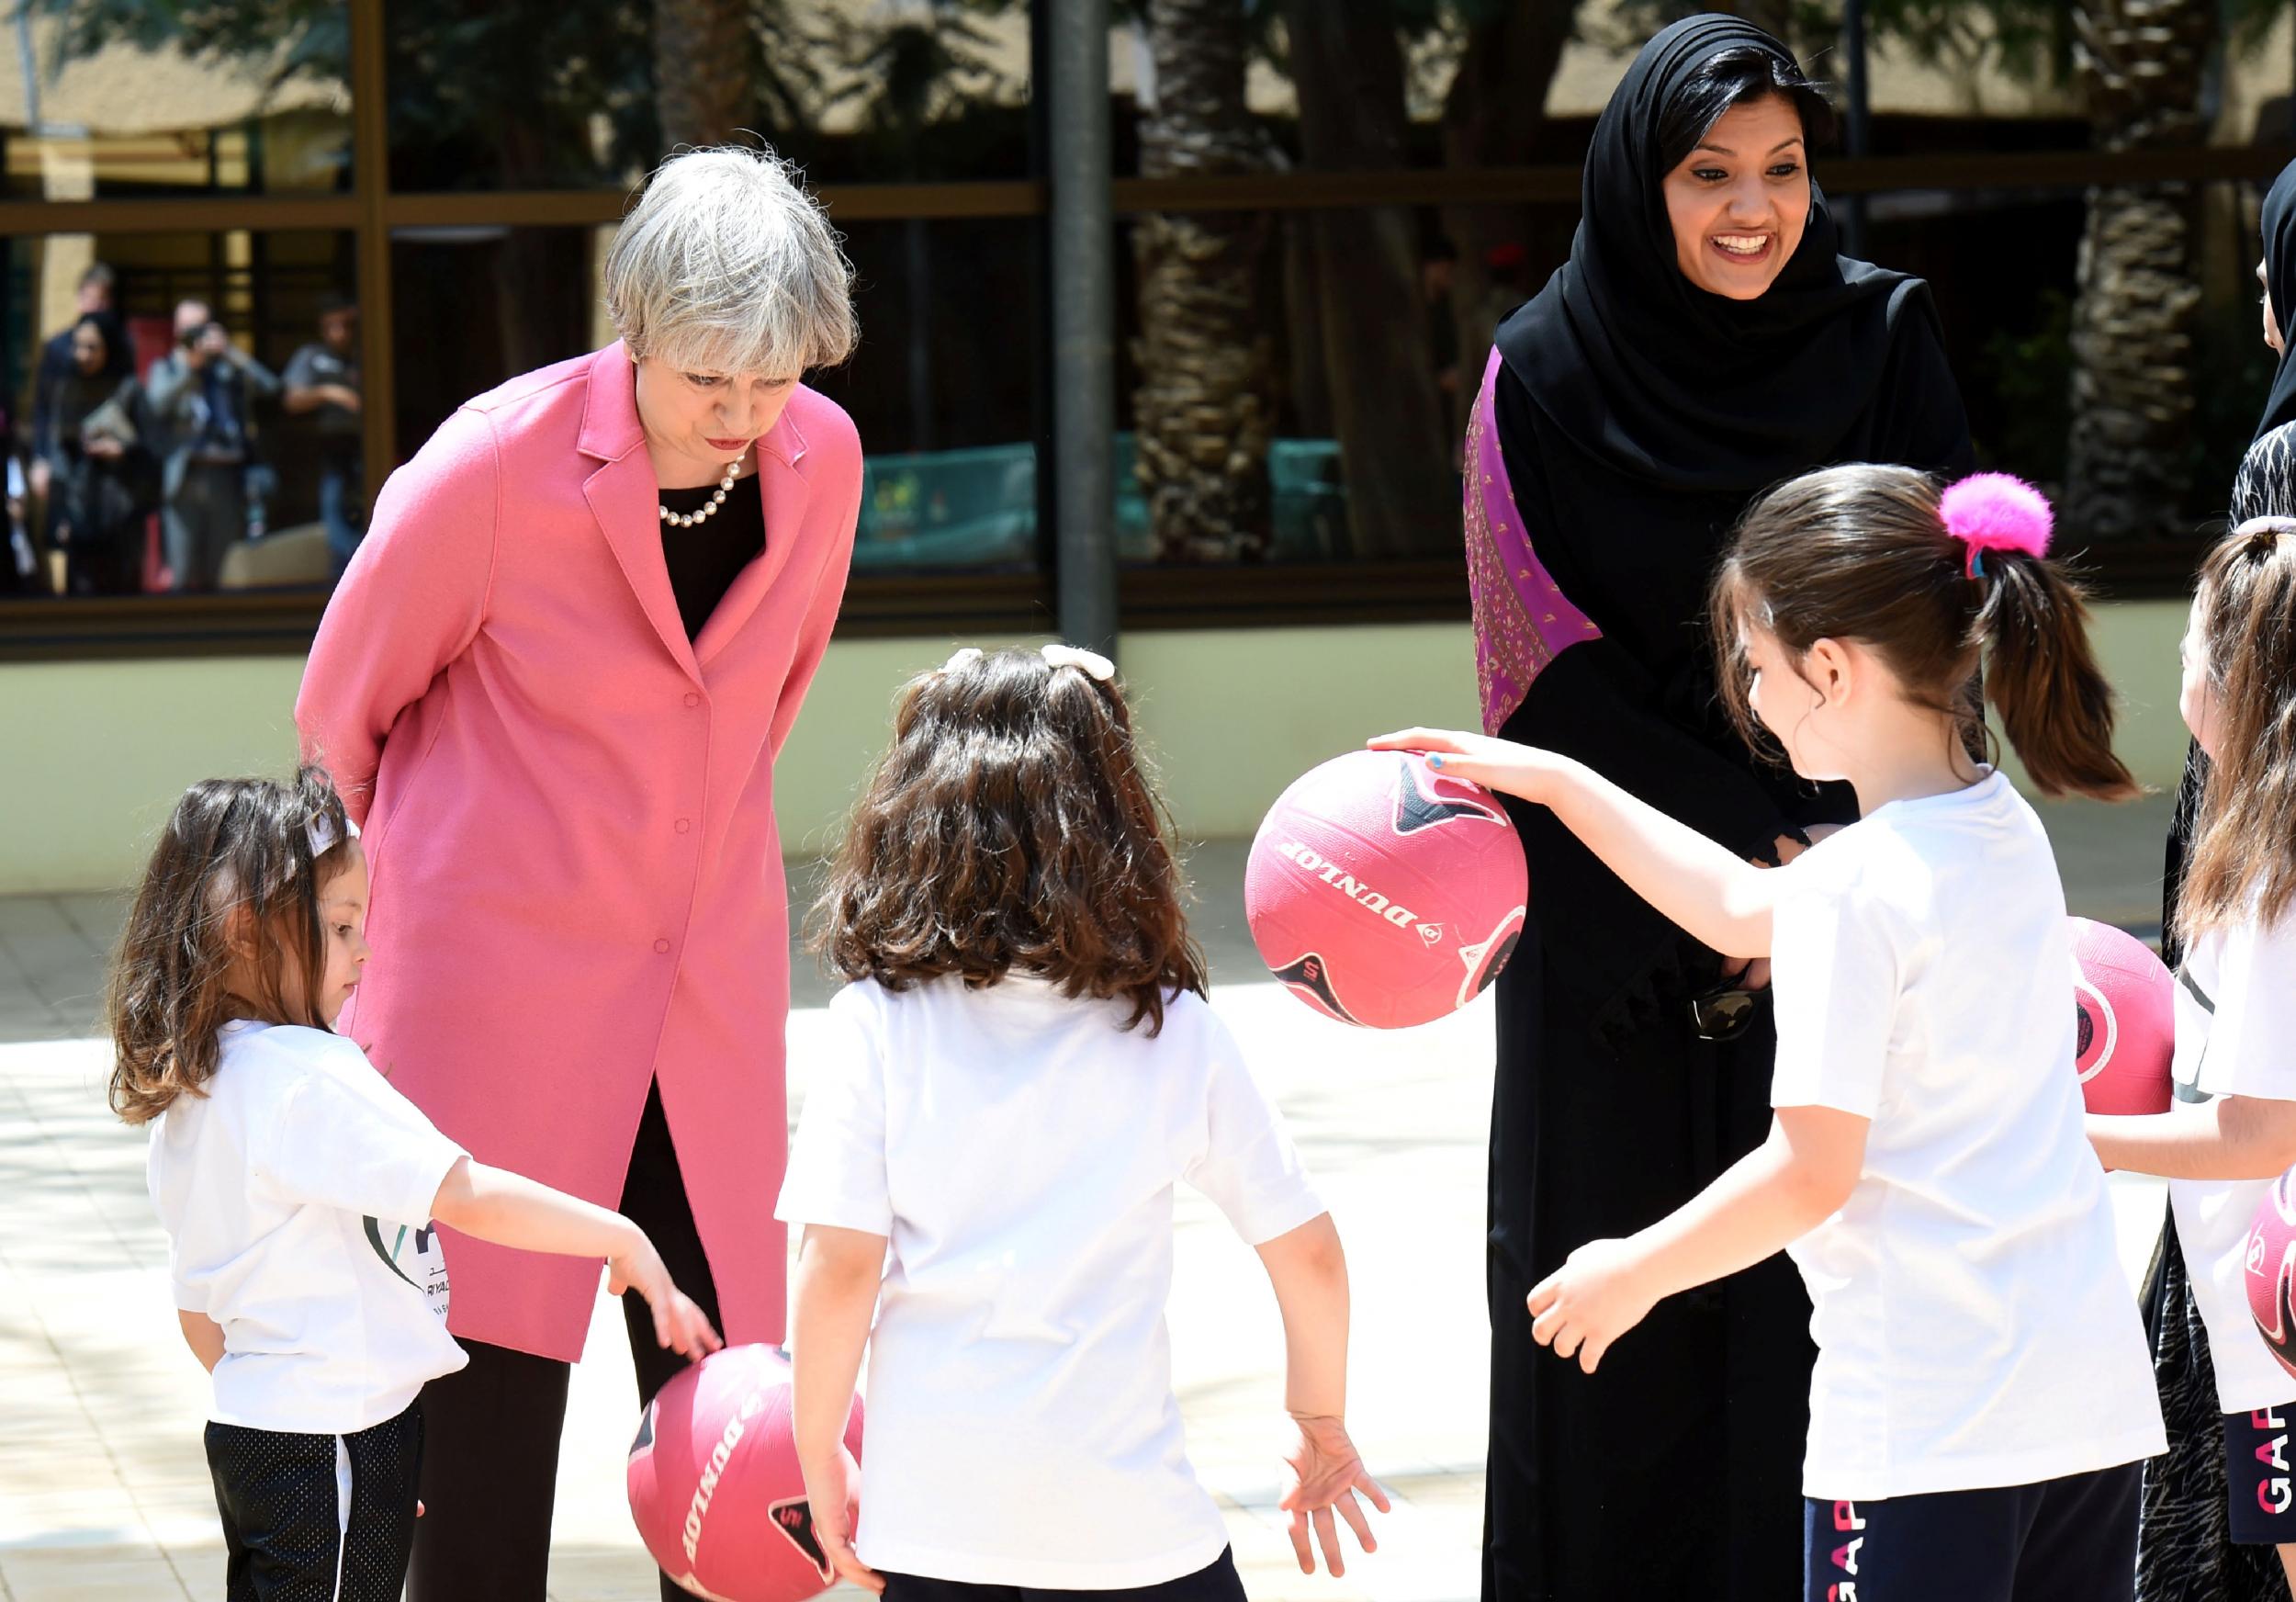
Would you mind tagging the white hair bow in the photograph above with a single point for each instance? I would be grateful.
(1091, 663)
(964, 657)
(321, 833)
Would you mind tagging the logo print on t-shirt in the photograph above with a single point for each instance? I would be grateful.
(793, 1519)
(413, 1253)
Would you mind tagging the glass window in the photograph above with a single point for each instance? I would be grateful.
(180, 421)
(943, 387)
(1292, 384)
(113, 103)
(911, 92)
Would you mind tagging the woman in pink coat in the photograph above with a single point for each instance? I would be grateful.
(552, 686)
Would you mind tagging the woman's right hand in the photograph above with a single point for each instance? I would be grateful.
(679, 1325)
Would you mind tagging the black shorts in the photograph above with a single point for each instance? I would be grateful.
(2062, 1540)
(2260, 1476)
(1216, 1583)
(316, 1517)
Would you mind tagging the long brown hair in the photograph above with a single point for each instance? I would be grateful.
(236, 852)
(1862, 552)
(2244, 853)
(1012, 826)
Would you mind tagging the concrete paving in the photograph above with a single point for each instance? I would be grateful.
(104, 1491)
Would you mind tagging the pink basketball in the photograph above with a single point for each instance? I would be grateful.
(714, 1485)
(2271, 1275)
(1383, 892)
(2128, 1020)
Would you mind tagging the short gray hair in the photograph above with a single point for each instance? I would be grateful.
(727, 265)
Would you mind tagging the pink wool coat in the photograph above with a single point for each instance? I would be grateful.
(568, 817)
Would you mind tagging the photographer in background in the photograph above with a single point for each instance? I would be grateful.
(322, 383)
(201, 395)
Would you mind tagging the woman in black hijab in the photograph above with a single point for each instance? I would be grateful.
(2185, 1553)
(1704, 341)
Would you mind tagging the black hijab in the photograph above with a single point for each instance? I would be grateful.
(1640, 369)
(2279, 283)
(1638, 414)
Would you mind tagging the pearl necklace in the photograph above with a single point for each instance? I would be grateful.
(709, 508)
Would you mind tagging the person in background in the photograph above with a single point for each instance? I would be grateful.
(323, 384)
(98, 291)
(19, 564)
(92, 454)
(202, 395)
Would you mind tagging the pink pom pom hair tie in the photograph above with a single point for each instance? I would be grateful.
(1996, 511)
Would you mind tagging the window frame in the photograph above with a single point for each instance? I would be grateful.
(881, 604)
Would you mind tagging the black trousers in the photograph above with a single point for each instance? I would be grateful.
(491, 1470)
(316, 1517)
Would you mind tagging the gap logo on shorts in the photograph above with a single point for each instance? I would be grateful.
(1845, 1556)
(2272, 1490)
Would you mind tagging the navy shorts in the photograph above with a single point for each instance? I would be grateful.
(2062, 1540)
(1216, 1583)
(2260, 1476)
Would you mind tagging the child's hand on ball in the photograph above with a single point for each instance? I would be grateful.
(1589, 1302)
(833, 1494)
(1496, 765)
(1327, 1473)
(679, 1325)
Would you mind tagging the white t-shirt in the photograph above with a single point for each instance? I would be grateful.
(2235, 1020)
(1019, 1150)
(1973, 1326)
(296, 1199)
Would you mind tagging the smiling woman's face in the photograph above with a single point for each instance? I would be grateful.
(1740, 200)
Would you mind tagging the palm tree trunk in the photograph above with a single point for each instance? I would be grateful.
(1203, 409)
(1494, 117)
(2128, 464)
(1386, 412)
(702, 57)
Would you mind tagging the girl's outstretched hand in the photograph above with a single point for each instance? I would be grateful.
(1327, 1473)
(1496, 765)
(679, 1325)
(1589, 1302)
(833, 1496)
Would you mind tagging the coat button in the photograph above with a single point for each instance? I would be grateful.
(662, 946)
(692, 699)
(684, 824)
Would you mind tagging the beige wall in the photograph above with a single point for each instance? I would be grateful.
(97, 752)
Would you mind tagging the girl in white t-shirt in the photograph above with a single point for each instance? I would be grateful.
(1023, 1065)
(1981, 1400)
(298, 1190)
(2235, 1013)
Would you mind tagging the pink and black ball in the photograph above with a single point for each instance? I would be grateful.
(1384, 892)
(715, 1483)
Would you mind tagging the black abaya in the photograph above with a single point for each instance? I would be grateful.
(1637, 416)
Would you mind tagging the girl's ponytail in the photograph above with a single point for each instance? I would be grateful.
(2041, 676)
(2032, 625)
